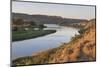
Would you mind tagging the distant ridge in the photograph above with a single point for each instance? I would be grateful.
(46, 19)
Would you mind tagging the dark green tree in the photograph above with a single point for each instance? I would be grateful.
(32, 23)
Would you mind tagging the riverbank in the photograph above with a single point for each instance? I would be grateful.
(81, 48)
(23, 35)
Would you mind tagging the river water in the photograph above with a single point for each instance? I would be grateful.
(30, 46)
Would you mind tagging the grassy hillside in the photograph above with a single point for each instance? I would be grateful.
(80, 48)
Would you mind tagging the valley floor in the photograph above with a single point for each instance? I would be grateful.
(22, 35)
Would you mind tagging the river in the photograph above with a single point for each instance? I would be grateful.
(30, 46)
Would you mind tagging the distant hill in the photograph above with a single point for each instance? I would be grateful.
(45, 19)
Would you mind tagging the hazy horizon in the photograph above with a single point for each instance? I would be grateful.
(66, 11)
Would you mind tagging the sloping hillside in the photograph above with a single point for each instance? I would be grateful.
(46, 19)
(81, 48)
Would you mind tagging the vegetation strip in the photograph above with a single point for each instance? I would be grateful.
(22, 35)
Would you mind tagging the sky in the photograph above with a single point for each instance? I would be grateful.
(66, 11)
